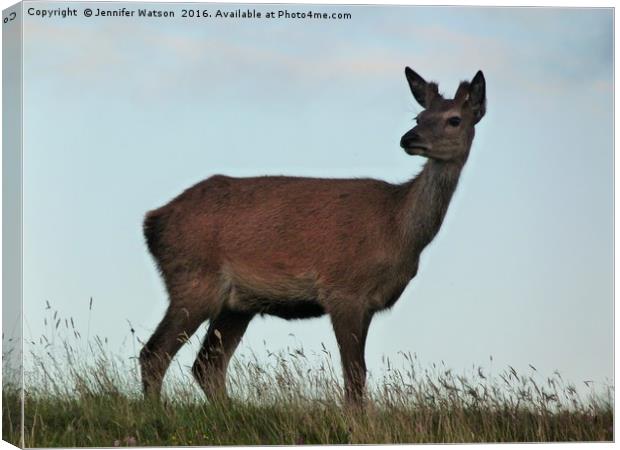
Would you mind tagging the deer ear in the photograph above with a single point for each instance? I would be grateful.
(422, 91)
(478, 96)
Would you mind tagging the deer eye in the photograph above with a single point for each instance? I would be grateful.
(454, 121)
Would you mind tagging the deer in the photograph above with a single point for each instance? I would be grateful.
(229, 249)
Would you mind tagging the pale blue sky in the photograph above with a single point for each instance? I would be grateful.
(120, 115)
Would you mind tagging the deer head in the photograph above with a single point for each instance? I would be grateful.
(445, 128)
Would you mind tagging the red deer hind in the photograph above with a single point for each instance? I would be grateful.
(230, 248)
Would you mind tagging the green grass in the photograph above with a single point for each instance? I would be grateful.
(102, 420)
(291, 398)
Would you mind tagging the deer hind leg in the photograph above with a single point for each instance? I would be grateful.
(193, 299)
(177, 326)
(351, 329)
(223, 337)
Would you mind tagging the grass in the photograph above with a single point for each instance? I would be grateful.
(291, 398)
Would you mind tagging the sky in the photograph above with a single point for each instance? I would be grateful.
(122, 114)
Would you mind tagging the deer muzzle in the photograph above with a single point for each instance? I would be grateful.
(413, 143)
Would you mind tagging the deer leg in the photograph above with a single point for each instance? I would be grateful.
(173, 331)
(223, 337)
(351, 331)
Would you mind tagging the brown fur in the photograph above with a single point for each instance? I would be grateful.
(230, 248)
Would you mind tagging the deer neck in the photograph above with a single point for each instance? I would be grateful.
(426, 199)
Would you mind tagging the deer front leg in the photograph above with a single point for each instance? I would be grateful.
(351, 329)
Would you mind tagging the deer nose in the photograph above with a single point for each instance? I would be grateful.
(411, 137)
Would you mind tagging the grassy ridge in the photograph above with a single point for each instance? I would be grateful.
(287, 403)
(80, 394)
(107, 420)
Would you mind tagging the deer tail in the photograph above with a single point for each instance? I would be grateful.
(153, 228)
